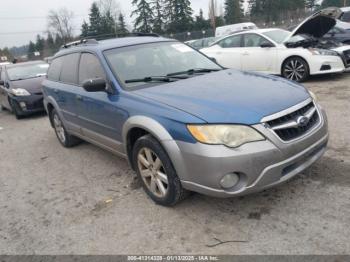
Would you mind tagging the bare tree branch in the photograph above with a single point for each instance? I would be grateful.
(60, 22)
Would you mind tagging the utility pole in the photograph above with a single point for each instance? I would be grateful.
(212, 12)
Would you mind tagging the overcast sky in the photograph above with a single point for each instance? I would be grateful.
(22, 20)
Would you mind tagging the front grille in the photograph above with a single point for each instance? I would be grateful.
(288, 127)
(346, 58)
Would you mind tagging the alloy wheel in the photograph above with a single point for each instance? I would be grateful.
(59, 128)
(295, 70)
(152, 172)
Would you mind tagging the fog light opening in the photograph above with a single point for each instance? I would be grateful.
(229, 180)
(23, 105)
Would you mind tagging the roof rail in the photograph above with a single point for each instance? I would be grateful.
(80, 42)
(144, 34)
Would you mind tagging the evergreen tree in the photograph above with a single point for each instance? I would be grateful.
(158, 20)
(85, 29)
(144, 16)
(31, 50)
(328, 3)
(200, 22)
(233, 11)
(40, 44)
(108, 25)
(121, 25)
(95, 20)
(179, 15)
(50, 45)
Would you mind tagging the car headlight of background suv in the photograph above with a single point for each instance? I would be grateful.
(228, 135)
(318, 51)
(20, 92)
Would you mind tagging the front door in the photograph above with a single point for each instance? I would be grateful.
(257, 55)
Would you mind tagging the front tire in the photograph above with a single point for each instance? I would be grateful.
(296, 69)
(63, 136)
(15, 109)
(156, 172)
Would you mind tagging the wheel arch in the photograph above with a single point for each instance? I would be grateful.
(138, 126)
(296, 56)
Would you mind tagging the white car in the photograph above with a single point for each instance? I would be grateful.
(295, 55)
(230, 29)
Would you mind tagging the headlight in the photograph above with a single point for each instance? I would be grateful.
(228, 135)
(20, 92)
(314, 97)
(317, 51)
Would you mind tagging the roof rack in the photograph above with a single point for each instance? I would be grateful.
(80, 42)
(144, 34)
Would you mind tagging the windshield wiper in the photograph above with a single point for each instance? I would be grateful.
(195, 71)
(148, 79)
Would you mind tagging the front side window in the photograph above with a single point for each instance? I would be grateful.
(230, 42)
(155, 59)
(254, 40)
(22, 72)
(90, 68)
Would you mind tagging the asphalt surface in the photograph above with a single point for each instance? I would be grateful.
(85, 200)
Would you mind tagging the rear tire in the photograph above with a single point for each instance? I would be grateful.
(296, 69)
(63, 136)
(156, 172)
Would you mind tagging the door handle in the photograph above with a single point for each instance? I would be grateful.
(78, 97)
(245, 53)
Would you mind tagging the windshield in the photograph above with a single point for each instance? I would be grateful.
(22, 72)
(279, 36)
(155, 59)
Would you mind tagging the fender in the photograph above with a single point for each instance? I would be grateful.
(52, 101)
(161, 134)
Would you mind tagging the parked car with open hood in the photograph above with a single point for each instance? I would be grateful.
(295, 55)
(20, 87)
(183, 122)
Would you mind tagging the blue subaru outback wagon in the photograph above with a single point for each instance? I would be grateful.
(183, 122)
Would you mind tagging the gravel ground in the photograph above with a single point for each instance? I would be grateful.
(85, 201)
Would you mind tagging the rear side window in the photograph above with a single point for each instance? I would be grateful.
(90, 68)
(69, 72)
(232, 41)
(55, 69)
(346, 17)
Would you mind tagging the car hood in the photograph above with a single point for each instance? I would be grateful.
(32, 85)
(318, 24)
(229, 96)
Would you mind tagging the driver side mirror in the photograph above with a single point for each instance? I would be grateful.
(95, 85)
(266, 45)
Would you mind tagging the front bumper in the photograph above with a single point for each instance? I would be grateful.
(326, 65)
(27, 105)
(260, 164)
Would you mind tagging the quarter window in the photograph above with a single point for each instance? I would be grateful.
(55, 69)
(232, 41)
(90, 68)
(69, 73)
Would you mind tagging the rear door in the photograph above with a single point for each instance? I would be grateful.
(255, 57)
(228, 51)
(62, 86)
